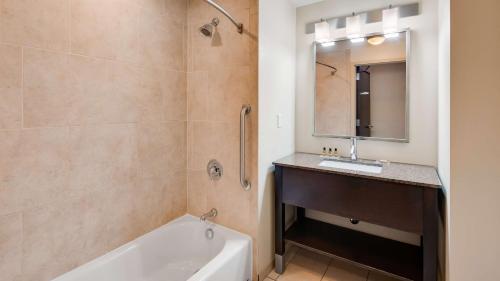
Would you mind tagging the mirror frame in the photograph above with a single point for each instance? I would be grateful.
(406, 139)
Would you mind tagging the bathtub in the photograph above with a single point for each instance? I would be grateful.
(185, 249)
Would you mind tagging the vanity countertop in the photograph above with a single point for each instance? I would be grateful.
(420, 175)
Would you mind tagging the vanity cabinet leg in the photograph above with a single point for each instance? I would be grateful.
(430, 234)
(279, 257)
(301, 213)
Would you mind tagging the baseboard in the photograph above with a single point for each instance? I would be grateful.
(265, 272)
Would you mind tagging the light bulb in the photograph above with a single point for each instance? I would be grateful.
(357, 40)
(328, 44)
(391, 35)
(376, 40)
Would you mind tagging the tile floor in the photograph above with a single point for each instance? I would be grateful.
(303, 265)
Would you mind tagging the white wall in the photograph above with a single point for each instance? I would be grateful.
(475, 133)
(276, 96)
(422, 148)
(444, 128)
(299, 3)
(444, 93)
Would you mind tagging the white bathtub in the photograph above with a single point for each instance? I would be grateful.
(177, 251)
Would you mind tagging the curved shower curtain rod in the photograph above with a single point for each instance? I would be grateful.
(329, 66)
(218, 7)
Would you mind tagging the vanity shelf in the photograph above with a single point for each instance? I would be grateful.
(400, 259)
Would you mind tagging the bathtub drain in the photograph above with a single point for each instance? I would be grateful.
(209, 233)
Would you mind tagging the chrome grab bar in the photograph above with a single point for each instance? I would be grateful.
(245, 110)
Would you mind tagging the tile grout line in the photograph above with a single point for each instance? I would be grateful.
(271, 278)
(186, 77)
(23, 266)
(137, 123)
(327, 267)
(101, 58)
(22, 88)
(70, 31)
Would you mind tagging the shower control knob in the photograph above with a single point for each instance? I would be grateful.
(214, 170)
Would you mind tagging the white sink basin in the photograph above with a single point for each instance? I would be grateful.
(368, 168)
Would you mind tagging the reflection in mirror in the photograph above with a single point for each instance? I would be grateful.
(361, 88)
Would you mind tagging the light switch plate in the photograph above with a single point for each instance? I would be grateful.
(279, 120)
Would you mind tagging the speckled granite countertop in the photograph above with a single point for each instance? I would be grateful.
(420, 175)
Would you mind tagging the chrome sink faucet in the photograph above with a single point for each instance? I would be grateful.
(211, 214)
(354, 149)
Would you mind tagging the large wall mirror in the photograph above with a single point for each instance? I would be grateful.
(362, 88)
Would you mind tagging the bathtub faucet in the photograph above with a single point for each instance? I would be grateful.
(211, 214)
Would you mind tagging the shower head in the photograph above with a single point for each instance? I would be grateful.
(208, 29)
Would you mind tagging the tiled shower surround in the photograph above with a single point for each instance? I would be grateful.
(109, 113)
(222, 76)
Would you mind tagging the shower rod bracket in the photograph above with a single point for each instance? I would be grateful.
(238, 25)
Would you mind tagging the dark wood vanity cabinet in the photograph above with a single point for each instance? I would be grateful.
(408, 207)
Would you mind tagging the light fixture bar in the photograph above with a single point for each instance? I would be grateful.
(372, 16)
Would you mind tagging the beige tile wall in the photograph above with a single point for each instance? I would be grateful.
(104, 105)
(93, 128)
(222, 76)
(334, 104)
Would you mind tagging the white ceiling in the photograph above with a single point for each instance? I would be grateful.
(299, 3)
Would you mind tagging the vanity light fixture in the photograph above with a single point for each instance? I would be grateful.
(358, 40)
(328, 44)
(391, 35)
(390, 20)
(353, 26)
(322, 31)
